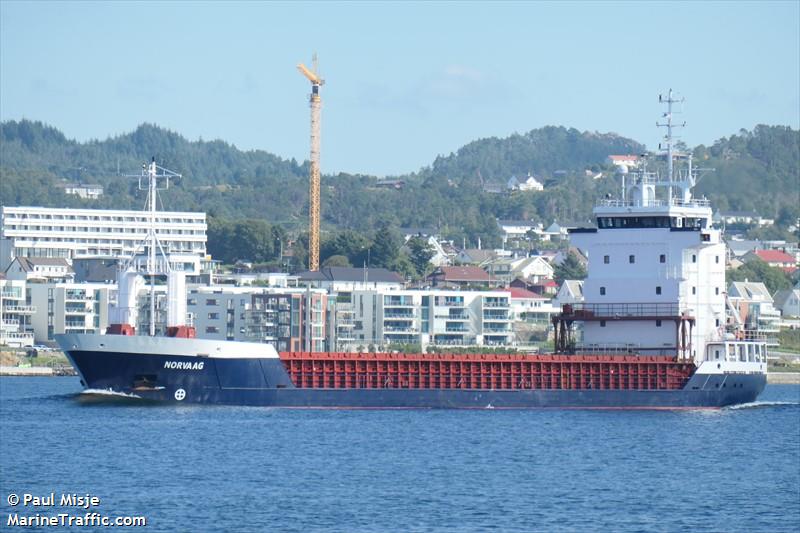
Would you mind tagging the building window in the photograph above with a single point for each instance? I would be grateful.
(658, 323)
(602, 291)
(717, 322)
(211, 301)
(716, 290)
(213, 316)
(602, 323)
(212, 329)
(631, 259)
(694, 290)
(606, 259)
(658, 289)
(694, 258)
(662, 258)
(716, 259)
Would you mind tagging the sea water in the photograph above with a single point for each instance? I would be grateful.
(213, 468)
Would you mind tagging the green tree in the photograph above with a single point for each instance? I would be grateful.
(403, 266)
(420, 253)
(337, 261)
(385, 247)
(570, 268)
(757, 270)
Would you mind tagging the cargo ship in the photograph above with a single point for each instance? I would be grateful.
(653, 330)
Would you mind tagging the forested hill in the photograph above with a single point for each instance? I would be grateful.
(754, 170)
(542, 152)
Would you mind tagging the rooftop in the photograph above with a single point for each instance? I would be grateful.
(370, 275)
(774, 256)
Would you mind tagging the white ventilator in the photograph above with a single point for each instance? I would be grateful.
(176, 294)
(129, 283)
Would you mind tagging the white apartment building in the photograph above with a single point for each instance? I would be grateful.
(68, 308)
(79, 233)
(15, 314)
(427, 317)
(291, 319)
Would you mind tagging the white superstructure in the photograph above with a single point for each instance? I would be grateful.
(79, 233)
(656, 282)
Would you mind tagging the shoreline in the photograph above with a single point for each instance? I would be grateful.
(37, 371)
(783, 378)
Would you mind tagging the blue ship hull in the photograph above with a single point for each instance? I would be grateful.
(265, 382)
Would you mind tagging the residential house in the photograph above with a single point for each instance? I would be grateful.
(529, 183)
(774, 258)
(744, 218)
(624, 162)
(474, 256)
(737, 248)
(529, 307)
(40, 269)
(516, 229)
(337, 279)
(788, 301)
(754, 308)
(570, 292)
(462, 277)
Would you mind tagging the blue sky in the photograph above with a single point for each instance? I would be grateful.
(405, 81)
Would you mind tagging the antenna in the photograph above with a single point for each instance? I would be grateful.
(669, 137)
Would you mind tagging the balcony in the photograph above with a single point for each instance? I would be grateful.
(11, 295)
(76, 310)
(16, 339)
(453, 316)
(400, 329)
(78, 297)
(495, 317)
(449, 302)
(409, 315)
(453, 340)
(495, 304)
(19, 309)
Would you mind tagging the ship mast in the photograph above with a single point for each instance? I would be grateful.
(151, 173)
(669, 137)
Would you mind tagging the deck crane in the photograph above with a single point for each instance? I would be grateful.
(315, 102)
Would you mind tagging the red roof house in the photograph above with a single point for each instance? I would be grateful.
(774, 258)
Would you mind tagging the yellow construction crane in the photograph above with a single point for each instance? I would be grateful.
(313, 191)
